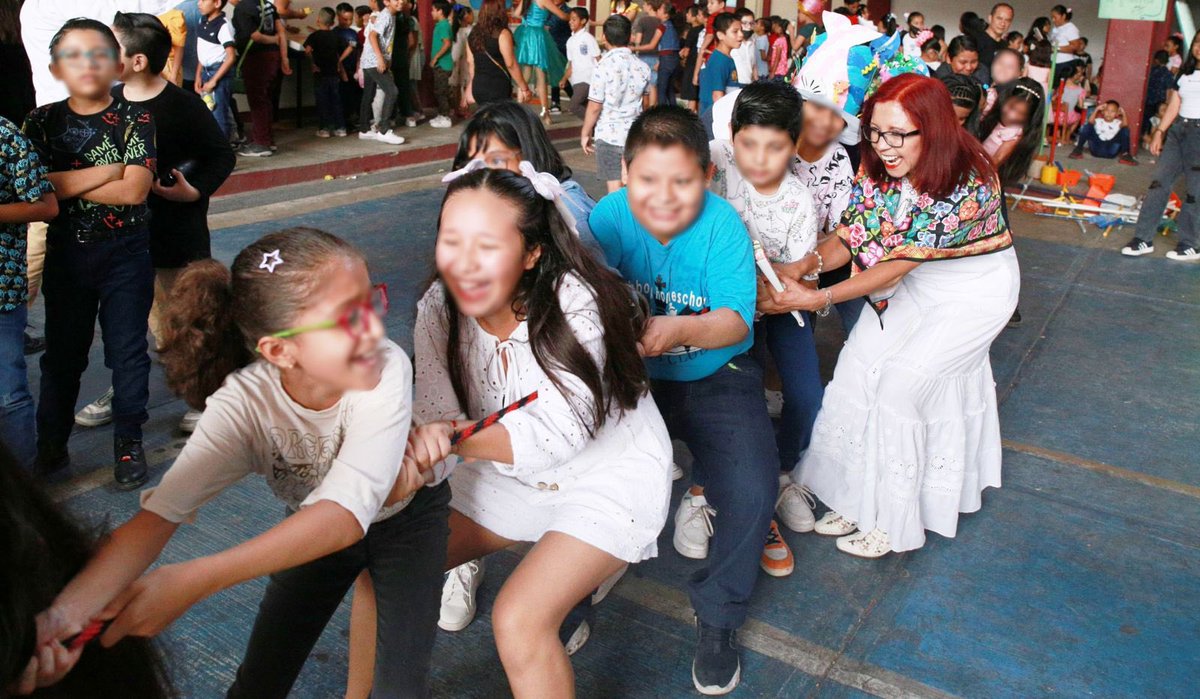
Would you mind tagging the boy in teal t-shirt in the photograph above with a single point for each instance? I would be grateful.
(442, 62)
(720, 72)
(688, 253)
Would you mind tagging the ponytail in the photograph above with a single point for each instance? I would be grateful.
(216, 315)
(202, 343)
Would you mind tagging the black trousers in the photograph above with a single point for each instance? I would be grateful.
(112, 280)
(406, 556)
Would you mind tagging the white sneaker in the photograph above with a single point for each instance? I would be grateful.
(676, 471)
(190, 419)
(441, 122)
(369, 135)
(609, 583)
(391, 138)
(97, 413)
(410, 123)
(833, 524)
(458, 596)
(578, 638)
(794, 506)
(774, 403)
(693, 526)
(873, 544)
(1183, 254)
(323, 133)
(339, 132)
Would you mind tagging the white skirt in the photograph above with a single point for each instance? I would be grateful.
(908, 435)
(615, 499)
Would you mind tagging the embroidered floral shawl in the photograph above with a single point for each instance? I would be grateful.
(970, 221)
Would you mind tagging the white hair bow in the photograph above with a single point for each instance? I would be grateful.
(471, 166)
(545, 184)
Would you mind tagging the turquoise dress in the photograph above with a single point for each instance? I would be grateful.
(535, 46)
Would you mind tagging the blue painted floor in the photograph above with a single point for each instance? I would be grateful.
(1079, 578)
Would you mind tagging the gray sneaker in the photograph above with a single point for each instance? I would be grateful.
(96, 413)
(253, 150)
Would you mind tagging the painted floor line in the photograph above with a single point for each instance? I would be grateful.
(777, 644)
(1102, 468)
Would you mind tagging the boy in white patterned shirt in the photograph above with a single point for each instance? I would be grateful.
(614, 101)
(753, 173)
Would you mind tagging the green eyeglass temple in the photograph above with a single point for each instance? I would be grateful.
(292, 332)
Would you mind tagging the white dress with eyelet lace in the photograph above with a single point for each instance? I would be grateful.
(908, 435)
(611, 491)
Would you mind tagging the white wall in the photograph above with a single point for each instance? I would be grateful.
(947, 12)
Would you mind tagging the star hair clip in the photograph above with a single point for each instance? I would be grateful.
(270, 261)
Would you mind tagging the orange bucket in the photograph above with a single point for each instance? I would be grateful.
(1069, 178)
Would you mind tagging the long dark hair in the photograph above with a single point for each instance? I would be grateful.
(41, 549)
(10, 22)
(622, 381)
(490, 21)
(1030, 92)
(216, 315)
(516, 127)
(457, 13)
(1189, 63)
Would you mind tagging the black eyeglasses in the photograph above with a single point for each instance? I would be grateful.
(895, 139)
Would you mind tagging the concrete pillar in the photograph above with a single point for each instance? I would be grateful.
(1127, 53)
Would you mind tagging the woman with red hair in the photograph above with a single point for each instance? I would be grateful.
(908, 435)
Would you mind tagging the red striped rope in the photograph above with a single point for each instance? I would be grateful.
(469, 431)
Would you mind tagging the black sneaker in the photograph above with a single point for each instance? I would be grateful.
(130, 468)
(1137, 248)
(717, 668)
(1077, 153)
(33, 345)
(1127, 159)
(1015, 321)
(52, 459)
(576, 629)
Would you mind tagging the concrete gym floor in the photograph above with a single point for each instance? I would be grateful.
(1077, 578)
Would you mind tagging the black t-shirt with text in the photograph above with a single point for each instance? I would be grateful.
(121, 133)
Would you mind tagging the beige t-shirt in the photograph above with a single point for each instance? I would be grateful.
(349, 454)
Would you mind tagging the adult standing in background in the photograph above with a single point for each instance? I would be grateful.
(1065, 35)
(990, 37)
(1176, 144)
(492, 57)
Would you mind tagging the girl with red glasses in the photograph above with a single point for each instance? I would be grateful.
(287, 354)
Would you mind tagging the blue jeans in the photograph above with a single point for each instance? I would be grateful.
(406, 555)
(329, 102)
(112, 279)
(1103, 149)
(723, 420)
(651, 61)
(795, 353)
(668, 66)
(223, 95)
(16, 404)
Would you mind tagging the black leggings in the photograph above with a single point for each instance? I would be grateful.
(406, 555)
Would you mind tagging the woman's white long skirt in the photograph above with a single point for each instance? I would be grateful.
(909, 435)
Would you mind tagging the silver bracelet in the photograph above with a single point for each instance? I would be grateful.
(828, 304)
